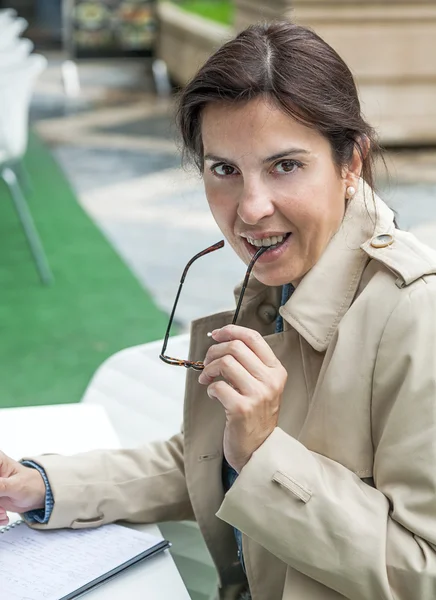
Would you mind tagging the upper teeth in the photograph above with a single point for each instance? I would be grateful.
(271, 241)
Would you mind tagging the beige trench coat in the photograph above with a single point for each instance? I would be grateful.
(340, 500)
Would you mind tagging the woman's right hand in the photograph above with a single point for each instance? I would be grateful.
(21, 488)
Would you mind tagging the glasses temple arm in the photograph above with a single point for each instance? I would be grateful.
(216, 246)
(246, 278)
(167, 333)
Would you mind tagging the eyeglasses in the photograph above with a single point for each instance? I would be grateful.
(199, 365)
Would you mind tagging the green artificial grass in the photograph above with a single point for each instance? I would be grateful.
(216, 10)
(53, 338)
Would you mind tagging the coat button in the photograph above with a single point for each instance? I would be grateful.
(382, 241)
(267, 313)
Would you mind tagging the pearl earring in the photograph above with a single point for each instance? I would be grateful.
(351, 191)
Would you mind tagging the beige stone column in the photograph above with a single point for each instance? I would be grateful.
(390, 45)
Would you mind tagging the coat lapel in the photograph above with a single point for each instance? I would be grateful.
(328, 289)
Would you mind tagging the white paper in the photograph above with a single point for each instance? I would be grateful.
(47, 565)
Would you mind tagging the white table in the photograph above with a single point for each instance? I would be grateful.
(71, 428)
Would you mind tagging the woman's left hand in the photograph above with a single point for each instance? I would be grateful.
(251, 389)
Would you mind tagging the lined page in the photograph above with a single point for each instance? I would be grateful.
(47, 565)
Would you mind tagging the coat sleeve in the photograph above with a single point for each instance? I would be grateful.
(317, 516)
(144, 485)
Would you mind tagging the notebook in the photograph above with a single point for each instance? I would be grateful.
(64, 563)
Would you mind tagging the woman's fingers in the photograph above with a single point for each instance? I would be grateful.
(243, 359)
(229, 397)
(231, 371)
(251, 338)
(242, 353)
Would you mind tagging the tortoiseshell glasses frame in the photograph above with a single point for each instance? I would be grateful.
(199, 365)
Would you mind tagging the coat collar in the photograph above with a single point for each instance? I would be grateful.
(325, 294)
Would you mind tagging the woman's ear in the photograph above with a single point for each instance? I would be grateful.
(360, 152)
(363, 144)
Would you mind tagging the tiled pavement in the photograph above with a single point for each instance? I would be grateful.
(117, 145)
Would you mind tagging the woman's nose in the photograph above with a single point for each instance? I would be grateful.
(255, 203)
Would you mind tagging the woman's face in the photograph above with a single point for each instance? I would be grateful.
(270, 180)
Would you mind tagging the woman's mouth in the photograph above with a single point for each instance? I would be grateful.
(276, 245)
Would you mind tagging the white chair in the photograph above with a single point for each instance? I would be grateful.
(7, 15)
(10, 30)
(17, 53)
(142, 395)
(143, 398)
(16, 87)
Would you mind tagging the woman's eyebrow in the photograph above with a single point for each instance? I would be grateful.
(283, 154)
(216, 158)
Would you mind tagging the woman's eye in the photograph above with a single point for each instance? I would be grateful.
(223, 170)
(287, 166)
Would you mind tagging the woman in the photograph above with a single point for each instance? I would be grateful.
(316, 412)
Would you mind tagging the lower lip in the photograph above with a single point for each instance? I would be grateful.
(269, 255)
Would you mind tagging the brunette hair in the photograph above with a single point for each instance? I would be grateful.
(294, 67)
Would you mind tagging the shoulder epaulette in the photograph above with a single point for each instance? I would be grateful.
(403, 254)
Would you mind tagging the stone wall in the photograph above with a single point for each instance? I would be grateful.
(186, 41)
(390, 46)
(253, 11)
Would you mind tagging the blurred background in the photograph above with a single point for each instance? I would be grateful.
(98, 219)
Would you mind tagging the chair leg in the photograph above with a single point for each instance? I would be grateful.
(70, 79)
(23, 177)
(161, 78)
(35, 245)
